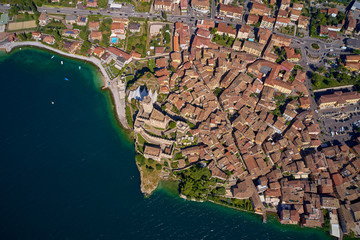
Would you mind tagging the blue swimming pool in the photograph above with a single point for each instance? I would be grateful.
(113, 40)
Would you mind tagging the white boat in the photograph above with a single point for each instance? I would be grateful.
(62, 62)
(52, 103)
(52, 57)
(79, 67)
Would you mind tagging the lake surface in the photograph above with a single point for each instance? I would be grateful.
(67, 171)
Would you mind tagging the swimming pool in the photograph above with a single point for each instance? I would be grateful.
(113, 40)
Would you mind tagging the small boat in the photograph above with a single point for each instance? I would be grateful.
(79, 67)
(52, 57)
(52, 103)
(62, 62)
(66, 79)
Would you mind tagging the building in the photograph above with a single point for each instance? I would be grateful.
(243, 32)
(291, 54)
(95, 35)
(99, 51)
(36, 36)
(184, 6)
(295, 15)
(152, 152)
(303, 22)
(253, 48)
(260, 9)
(224, 29)
(230, 11)
(70, 33)
(94, 26)
(134, 27)
(237, 45)
(81, 21)
(282, 22)
(43, 19)
(267, 22)
(352, 62)
(163, 5)
(49, 40)
(263, 35)
(122, 58)
(70, 19)
(118, 30)
(280, 41)
(202, 6)
(207, 24)
(338, 99)
(92, 3)
(285, 4)
(252, 19)
(71, 47)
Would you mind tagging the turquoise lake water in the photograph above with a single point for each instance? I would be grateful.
(68, 172)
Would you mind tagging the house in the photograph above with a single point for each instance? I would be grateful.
(43, 19)
(202, 6)
(297, 6)
(260, 9)
(350, 25)
(253, 48)
(36, 36)
(94, 26)
(183, 6)
(332, 12)
(338, 99)
(252, 19)
(72, 47)
(49, 40)
(70, 33)
(243, 32)
(323, 31)
(285, 4)
(92, 3)
(282, 13)
(282, 22)
(294, 15)
(70, 19)
(291, 55)
(183, 32)
(237, 45)
(263, 35)
(124, 21)
(163, 5)
(95, 35)
(99, 51)
(230, 11)
(352, 62)
(118, 30)
(203, 33)
(267, 22)
(303, 22)
(223, 29)
(207, 24)
(280, 41)
(81, 21)
(134, 27)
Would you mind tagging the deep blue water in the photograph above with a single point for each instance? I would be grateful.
(67, 171)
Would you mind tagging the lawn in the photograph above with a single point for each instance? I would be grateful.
(137, 41)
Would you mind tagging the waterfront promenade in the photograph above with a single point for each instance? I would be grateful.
(117, 90)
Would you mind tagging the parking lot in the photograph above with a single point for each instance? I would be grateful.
(339, 124)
